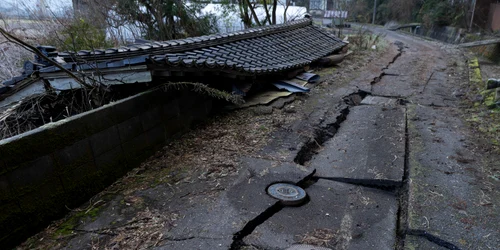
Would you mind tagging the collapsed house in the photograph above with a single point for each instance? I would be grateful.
(64, 163)
(233, 62)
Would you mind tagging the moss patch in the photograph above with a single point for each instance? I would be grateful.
(69, 225)
(483, 113)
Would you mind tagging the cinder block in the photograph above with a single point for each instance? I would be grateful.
(186, 101)
(128, 108)
(171, 110)
(6, 192)
(79, 153)
(151, 118)
(177, 125)
(111, 158)
(105, 140)
(156, 137)
(81, 183)
(112, 165)
(44, 204)
(46, 193)
(159, 97)
(135, 145)
(3, 167)
(31, 175)
(41, 141)
(99, 120)
(130, 129)
(10, 218)
(201, 110)
(137, 150)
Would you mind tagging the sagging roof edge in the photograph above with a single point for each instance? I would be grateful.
(137, 54)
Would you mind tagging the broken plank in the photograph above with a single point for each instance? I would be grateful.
(480, 43)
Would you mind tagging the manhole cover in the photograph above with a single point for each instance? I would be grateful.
(307, 247)
(288, 194)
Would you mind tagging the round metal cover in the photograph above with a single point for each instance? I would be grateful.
(288, 194)
(307, 247)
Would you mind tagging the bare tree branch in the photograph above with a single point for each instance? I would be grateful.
(253, 13)
(31, 48)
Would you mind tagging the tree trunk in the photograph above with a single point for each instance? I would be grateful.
(286, 9)
(244, 14)
(268, 18)
(275, 3)
(252, 10)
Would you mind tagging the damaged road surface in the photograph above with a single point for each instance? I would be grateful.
(384, 158)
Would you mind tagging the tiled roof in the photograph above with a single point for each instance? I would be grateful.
(260, 55)
(256, 51)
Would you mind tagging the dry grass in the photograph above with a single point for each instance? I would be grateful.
(364, 39)
(319, 237)
(142, 232)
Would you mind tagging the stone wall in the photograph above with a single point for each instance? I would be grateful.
(63, 164)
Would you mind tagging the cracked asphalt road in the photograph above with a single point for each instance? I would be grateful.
(399, 170)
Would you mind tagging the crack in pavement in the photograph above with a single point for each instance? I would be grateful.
(268, 213)
(391, 74)
(354, 99)
(400, 49)
(191, 238)
(321, 135)
(378, 78)
(432, 238)
(400, 99)
(385, 185)
(403, 197)
(427, 82)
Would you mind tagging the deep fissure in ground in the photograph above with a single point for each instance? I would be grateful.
(385, 185)
(250, 226)
(402, 224)
(378, 78)
(321, 135)
(403, 194)
(399, 188)
(432, 238)
(324, 133)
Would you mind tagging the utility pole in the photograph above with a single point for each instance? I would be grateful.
(374, 11)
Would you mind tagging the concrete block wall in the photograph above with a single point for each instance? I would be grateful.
(63, 164)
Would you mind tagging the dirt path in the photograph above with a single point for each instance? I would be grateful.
(396, 168)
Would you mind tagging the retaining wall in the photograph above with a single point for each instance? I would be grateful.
(456, 35)
(490, 51)
(446, 34)
(63, 164)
